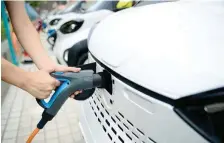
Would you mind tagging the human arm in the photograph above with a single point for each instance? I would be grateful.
(27, 34)
(38, 83)
(30, 40)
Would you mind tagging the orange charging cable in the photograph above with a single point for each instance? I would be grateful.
(29, 140)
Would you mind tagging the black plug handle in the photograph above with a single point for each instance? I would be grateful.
(78, 81)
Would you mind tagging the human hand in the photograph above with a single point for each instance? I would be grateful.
(61, 68)
(40, 84)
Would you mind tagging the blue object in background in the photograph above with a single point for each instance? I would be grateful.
(44, 25)
(31, 12)
(51, 32)
(8, 35)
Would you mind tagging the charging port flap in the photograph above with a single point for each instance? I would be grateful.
(107, 81)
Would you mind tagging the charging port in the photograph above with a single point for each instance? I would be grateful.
(106, 81)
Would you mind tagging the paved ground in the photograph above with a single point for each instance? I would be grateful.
(20, 113)
(5, 54)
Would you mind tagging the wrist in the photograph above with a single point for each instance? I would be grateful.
(24, 80)
(44, 62)
(48, 67)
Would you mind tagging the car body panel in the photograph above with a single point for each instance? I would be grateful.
(174, 49)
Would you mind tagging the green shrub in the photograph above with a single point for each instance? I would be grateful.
(34, 3)
(3, 34)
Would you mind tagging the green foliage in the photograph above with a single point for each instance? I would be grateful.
(35, 3)
(3, 34)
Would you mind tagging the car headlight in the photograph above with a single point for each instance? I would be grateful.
(71, 26)
(205, 113)
(54, 21)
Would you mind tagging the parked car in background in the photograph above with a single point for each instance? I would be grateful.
(79, 25)
(52, 12)
(43, 14)
(72, 7)
(78, 47)
(167, 81)
(76, 6)
(56, 21)
(75, 31)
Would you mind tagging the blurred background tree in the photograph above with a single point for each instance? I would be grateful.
(3, 35)
(35, 3)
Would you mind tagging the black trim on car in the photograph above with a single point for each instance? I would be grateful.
(65, 27)
(210, 138)
(52, 21)
(203, 98)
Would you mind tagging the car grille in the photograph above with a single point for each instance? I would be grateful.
(118, 128)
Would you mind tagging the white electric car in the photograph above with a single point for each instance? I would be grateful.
(66, 20)
(72, 35)
(167, 68)
(67, 35)
(54, 22)
(62, 44)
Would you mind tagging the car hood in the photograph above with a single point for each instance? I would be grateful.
(174, 48)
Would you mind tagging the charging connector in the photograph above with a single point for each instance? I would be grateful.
(74, 81)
